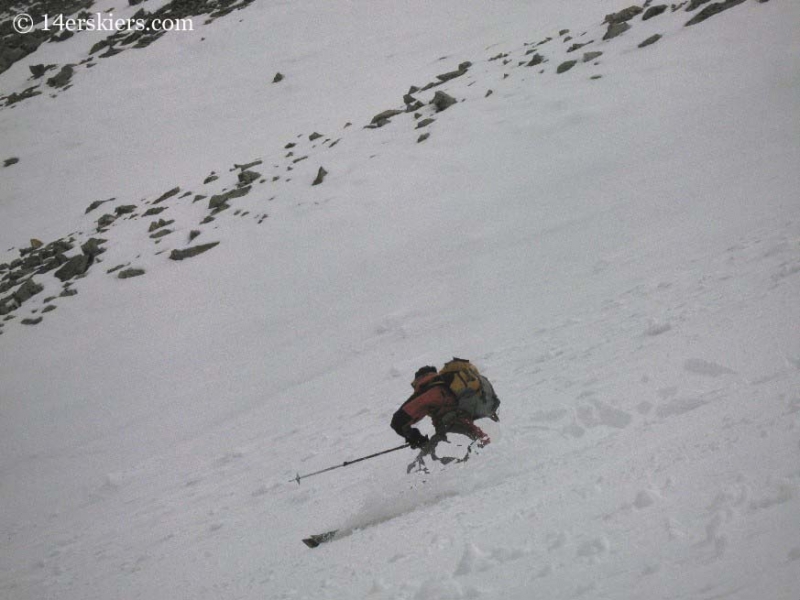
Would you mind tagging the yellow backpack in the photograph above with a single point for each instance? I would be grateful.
(473, 391)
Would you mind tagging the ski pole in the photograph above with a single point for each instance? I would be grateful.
(347, 463)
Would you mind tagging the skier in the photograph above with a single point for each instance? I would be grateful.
(434, 397)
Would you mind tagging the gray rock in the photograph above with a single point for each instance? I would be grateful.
(95, 204)
(159, 224)
(191, 251)
(77, 265)
(167, 195)
(92, 246)
(425, 123)
(278, 78)
(713, 9)
(382, 118)
(49, 308)
(210, 178)
(654, 11)
(535, 60)
(128, 273)
(62, 78)
(423, 137)
(161, 233)
(68, 292)
(651, 40)
(220, 201)
(33, 321)
(125, 209)
(320, 176)
(590, 56)
(314, 136)
(624, 15)
(105, 220)
(10, 161)
(566, 66)
(27, 290)
(443, 101)
(695, 4)
(615, 29)
(248, 177)
(156, 210)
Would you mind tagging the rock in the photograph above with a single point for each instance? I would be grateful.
(191, 251)
(247, 166)
(220, 201)
(577, 47)
(95, 204)
(27, 290)
(159, 224)
(589, 56)
(49, 308)
(193, 234)
(622, 16)
(462, 68)
(278, 78)
(37, 70)
(156, 210)
(382, 118)
(615, 29)
(248, 177)
(62, 78)
(423, 137)
(10, 161)
(711, 10)
(36, 244)
(92, 246)
(651, 40)
(167, 195)
(210, 178)
(314, 136)
(320, 176)
(536, 59)
(443, 101)
(68, 292)
(77, 265)
(425, 123)
(695, 4)
(34, 321)
(654, 11)
(105, 220)
(128, 273)
(566, 66)
(160, 234)
(125, 209)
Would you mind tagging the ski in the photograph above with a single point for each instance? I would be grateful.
(315, 540)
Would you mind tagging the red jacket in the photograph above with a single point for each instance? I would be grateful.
(433, 398)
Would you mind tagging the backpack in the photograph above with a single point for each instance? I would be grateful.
(474, 393)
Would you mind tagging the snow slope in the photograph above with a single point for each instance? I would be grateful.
(621, 256)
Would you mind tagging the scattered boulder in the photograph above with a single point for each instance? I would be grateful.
(92, 247)
(651, 40)
(590, 56)
(654, 11)
(425, 123)
(462, 69)
(382, 118)
(713, 9)
(443, 101)
(210, 178)
(219, 202)
(314, 136)
(77, 265)
(49, 308)
(536, 59)
(32, 321)
(159, 224)
(67, 292)
(95, 204)
(125, 209)
(191, 251)
(278, 78)
(62, 78)
(248, 177)
(10, 161)
(615, 29)
(423, 137)
(27, 290)
(320, 176)
(167, 195)
(128, 273)
(566, 66)
(622, 16)
(105, 220)
(156, 210)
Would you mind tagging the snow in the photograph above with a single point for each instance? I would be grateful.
(620, 256)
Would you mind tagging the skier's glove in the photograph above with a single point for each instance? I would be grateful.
(415, 439)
